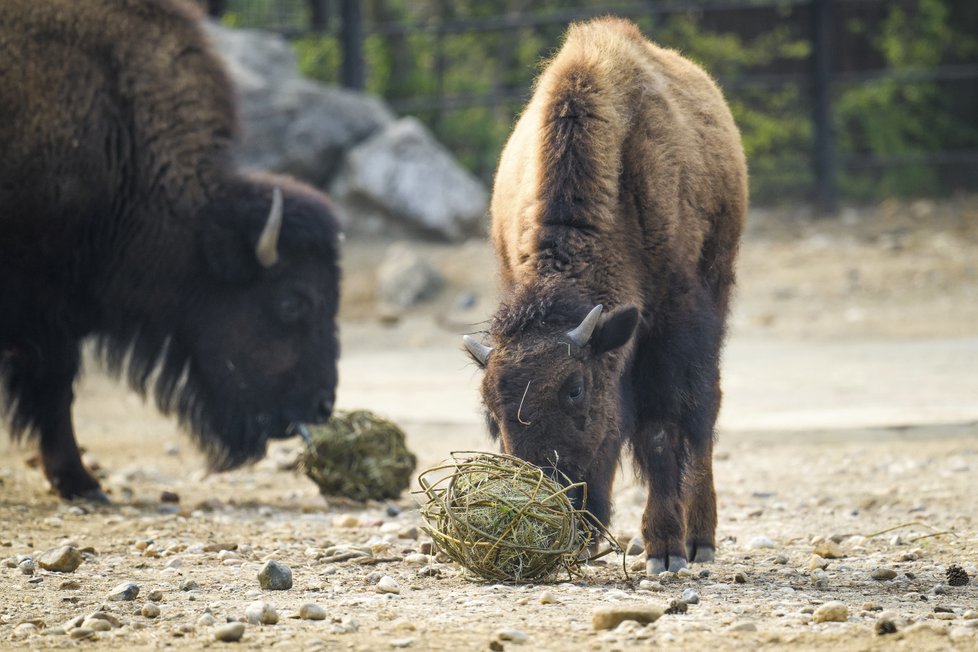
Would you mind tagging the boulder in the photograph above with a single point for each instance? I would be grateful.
(403, 176)
(291, 124)
(390, 177)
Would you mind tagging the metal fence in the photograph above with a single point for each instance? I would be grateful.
(835, 61)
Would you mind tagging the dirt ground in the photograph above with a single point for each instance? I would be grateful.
(850, 416)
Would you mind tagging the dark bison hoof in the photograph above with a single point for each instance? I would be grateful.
(657, 565)
(96, 496)
(700, 554)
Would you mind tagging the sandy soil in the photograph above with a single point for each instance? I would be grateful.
(850, 415)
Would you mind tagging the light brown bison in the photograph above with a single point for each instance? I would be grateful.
(616, 215)
(124, 217)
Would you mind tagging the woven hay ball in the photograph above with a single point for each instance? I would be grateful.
(358, 455)
(503, 519)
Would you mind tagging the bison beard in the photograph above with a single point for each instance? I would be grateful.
(616, 216)
(123, 218)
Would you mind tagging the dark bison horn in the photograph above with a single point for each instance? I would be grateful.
(478, 350)
(582, 333)
(267, 248)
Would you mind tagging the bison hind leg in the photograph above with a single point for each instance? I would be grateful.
(39, 383)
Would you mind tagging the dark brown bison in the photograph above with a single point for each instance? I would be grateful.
(123, 217)
(616, 216)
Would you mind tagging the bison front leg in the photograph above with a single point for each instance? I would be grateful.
(701, 507)
(43, 392)
(660, 457)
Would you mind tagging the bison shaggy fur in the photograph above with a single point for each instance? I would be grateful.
(616, 216)
(124, 217)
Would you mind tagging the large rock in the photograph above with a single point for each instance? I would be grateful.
(403, 176)
(390, 177)
(291, 124)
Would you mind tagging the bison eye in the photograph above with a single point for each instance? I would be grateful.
(573, 388)
(292, 307)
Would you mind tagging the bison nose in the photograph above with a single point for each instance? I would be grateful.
(324, 409)
(564, 478)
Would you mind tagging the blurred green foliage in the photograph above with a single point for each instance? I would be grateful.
(898, 115)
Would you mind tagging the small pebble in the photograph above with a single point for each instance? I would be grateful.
(760, 542)
(70, 585)
(80, 633)
(401, 642)
(650, 585)
(548, 597)
(96, 624)
(206, 620)
(817, 562)
(512, 635)
(831, 612)
(635, 547)
(63, 559)
(611, 617)
(155, 596)
(970, 614)
(408, 533)
(829, 549)
(740, 578)
(27, 567)
(742, 626)
(883, 574)
(690, 596)
(230, 633)
(781, 560)
(189, 585)
(275, 576)
(346, 520)
(150, 610)
(261, 613)
(312, 611)
(387, 584)
(884, 626)
(25, 629)
(124, 592)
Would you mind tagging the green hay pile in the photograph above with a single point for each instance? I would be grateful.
(358, 455)
(503, 519)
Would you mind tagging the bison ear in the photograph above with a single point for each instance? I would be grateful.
(614, 330)
(228, 251)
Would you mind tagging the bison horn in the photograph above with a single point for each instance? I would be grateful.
(267, 248)
(582, 333)
(478, 350)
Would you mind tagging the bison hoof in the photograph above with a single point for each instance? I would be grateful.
(96, 496)
(656, 565)
(701, 553)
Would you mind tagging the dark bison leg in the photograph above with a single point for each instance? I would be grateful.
(44, 395)
(660, 455)
(701, 507)
(698, 426)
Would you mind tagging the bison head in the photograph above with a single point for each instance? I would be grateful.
(258, 328)
(552, 387)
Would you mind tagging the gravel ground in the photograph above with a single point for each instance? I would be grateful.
(842, 503)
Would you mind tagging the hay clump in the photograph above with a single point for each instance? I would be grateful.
(503, 518)
(358, 455)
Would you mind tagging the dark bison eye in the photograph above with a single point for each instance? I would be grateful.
(575, 391)
(292, 308)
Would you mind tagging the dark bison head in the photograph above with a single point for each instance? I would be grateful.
(552, 386)
(259, 329)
